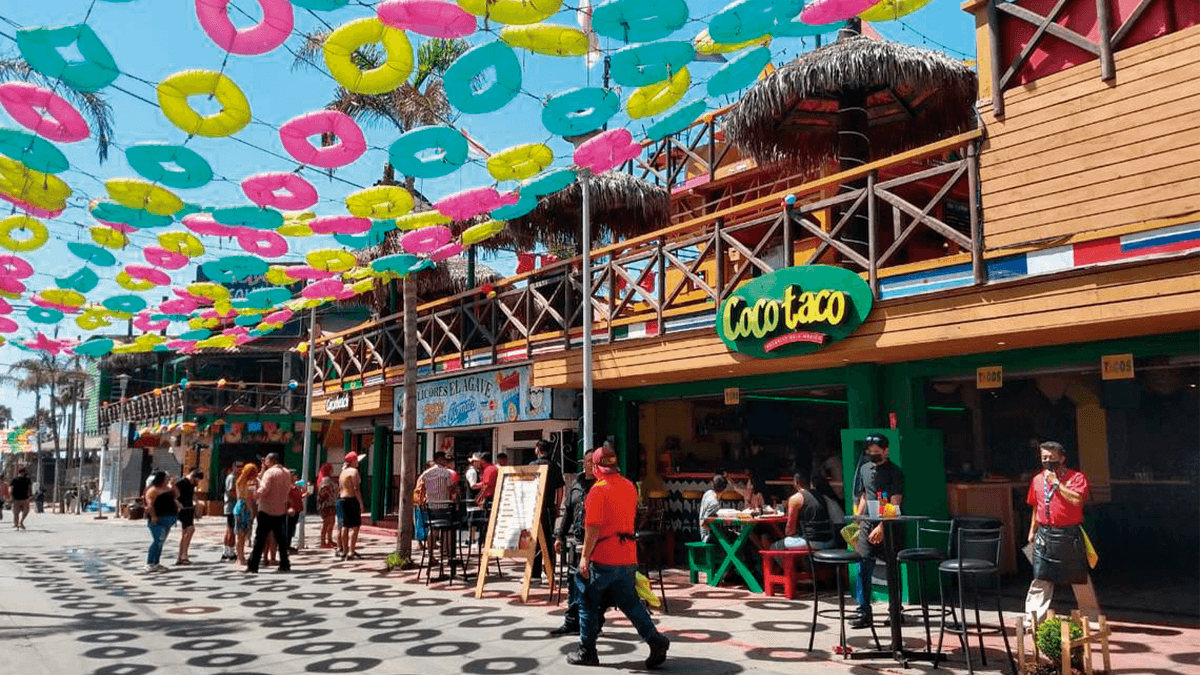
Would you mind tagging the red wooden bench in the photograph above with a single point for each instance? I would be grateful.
(780, 568)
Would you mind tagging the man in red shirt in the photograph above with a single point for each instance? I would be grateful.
(487, 478)
(608, 562)
(1057, 495)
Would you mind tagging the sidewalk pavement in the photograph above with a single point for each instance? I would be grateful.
(72, 599)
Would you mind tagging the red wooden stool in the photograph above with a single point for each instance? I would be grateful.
(787, 576)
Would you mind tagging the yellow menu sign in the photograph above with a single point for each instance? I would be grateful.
(1116, 367)
(989, 377)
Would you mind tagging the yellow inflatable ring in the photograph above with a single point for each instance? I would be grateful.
(477, 233)
(277, 276)
(124, 280)
(349, 37)
(653, 99)
(38, 234)
(415, 221)
(92, 319)
(547, 38)
(183, 243)
(32, 187)
(108, 237)
(381, 201)
(139, 194)
(520, 161)
(890, 10)
(704, 44)
(331, 260)
(63, 296)
(173, 94)
(295, 228)
(514, 12)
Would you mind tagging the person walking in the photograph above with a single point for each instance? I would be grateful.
(878, 478)
(327, 504)
(608, 562)
(272, 496)
(551, 496)
(21, 491)
(162, 510)
(1057, 495)
(569, 533)
(295, 509)
(349, 507)
(230, 552)
(186, 487)
(244, 509)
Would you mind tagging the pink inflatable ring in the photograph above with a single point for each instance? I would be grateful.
(350, 146)
(143, 323)
(203, 224)
(468, 203)
(148, 274)
(161, 257)
(14, 267)
(607, 150)
(262, 243)
(339, 225)
(62, 123)
(426, 239)
(263, 189)
(274, 29)
(433, 18)
(307, 273)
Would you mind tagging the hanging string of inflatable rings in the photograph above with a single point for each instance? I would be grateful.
(656, 68)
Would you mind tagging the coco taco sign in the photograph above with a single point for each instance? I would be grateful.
(796, 310)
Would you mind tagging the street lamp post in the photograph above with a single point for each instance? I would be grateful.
(122, 382)
(80, 454)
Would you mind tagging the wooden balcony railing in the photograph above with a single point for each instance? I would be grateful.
(207, 398)
(662, 278)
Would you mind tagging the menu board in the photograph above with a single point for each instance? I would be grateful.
(515, 528)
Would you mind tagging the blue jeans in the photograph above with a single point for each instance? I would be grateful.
(862, 585)
(800, 542)
(618, 583)
(158, 537)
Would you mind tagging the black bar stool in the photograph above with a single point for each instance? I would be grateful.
(442, 526)
(976, 554)
(938, 530)
(649, 538)
(840, 559)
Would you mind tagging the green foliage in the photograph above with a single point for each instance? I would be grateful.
(1049, 641)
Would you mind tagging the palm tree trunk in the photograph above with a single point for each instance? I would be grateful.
(54, 428)
(408, 439)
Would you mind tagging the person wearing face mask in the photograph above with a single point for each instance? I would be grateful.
(877, 478)
(1057, 495)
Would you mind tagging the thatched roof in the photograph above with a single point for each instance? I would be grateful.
(914, 96)
(448, 278)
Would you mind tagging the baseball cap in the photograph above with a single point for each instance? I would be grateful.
(354, 457)
(876, 439)
(604, 460)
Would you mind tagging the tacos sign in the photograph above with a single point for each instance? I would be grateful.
(794, 311)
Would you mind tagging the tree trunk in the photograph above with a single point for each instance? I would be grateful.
(408, 444)
(854, 146)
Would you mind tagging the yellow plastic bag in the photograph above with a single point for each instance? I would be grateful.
(642, 584)
(850, 534)
(1089, 550)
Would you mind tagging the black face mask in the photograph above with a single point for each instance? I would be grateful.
(876, 459)
(1051, 464)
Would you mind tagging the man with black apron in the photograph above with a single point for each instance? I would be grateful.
(1057, 495)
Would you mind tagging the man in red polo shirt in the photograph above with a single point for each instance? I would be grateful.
(488, 473)
(608, 562)
(1057, 495)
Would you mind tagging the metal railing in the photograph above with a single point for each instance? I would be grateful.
(206, 398)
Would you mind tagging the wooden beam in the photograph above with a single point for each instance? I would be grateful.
(1108, 68)
(1042, 26)
(1064, 34)
(1119, 36)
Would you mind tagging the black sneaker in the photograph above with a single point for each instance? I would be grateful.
(566, 629)
(583, 657)
(863, 621)
(658, 652)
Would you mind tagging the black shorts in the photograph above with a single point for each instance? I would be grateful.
(349, 513)
(187, 517)
(229, 520)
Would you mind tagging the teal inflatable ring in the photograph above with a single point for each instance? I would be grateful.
(747, 20)
(639, 20)
(33, 151)
(795, 28)
(450, 144)
(321, 5)
(254, 217)
(126, 304)
(96, 255)
(233, 268)
(119, 213)
(94, 348)
(578, 111)
(44, 315)
(40, 49)
(524, 205)
(247, 320)
(459, 77)
(149, 160)
(548, 182)
(373, 237)
(82, 280)
(401, 263)
(266, 298)
(676, 121)
(640, 65)
(197, 334)
(740, 72)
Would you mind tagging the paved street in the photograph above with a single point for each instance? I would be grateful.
(73, 600)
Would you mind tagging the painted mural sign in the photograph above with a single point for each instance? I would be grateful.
(794, 311)
(492, 397)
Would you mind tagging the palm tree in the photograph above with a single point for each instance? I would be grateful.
(94, 108)
(6, 416)
(419, 102)
(49, 373)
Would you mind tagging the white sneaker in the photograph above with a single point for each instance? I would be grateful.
(160, 568)
(150, 568)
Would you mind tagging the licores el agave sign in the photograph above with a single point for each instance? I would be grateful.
(794, 311)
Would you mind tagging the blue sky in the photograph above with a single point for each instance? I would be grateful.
(151, 39)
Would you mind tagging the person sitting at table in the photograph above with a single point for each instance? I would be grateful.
(761, 468)
(876, 477)
(437, 488)
(710, 504)
(806, 507)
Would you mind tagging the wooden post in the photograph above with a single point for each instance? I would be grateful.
(1104, 645)
(712, 150)
(789, 238)
(568, 291)
(1108, 67)
(1087, 646)
(662, 282)
(993, 19)
(1064, 630)
(1021, 645)
(528, 303)
(872, 256)
(978, 268)
(719, 248)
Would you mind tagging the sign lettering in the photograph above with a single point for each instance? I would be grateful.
(338, 402)
(989, 377)
(794, 311)
(1117, 367)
